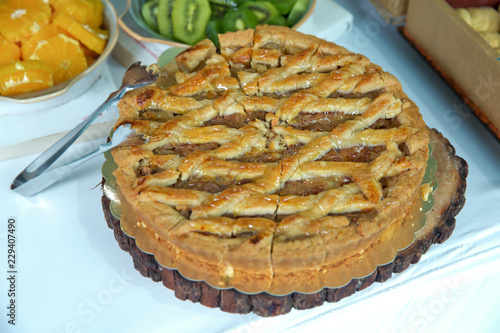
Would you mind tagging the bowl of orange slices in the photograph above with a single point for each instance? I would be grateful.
(53, 50)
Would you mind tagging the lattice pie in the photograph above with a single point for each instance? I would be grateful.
(271, 161)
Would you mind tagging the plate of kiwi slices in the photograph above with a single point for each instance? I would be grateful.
(186, 22)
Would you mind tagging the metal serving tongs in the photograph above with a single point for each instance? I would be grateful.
(36, 178)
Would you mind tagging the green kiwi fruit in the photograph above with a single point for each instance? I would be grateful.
(165, 25)
(280, 20)
(265, 11)
(284, 6)
(214, 27)
(149, 13)
(189, 19)
(240, 19)
(297, 12)
(218, 12)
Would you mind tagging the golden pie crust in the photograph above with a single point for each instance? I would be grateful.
(271, 161)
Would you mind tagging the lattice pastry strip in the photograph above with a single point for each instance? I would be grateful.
(365, 176)
(233, 197)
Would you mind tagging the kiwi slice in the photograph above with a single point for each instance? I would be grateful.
(284, 6)
(149, 13)
(214, 27)
(297, 12)
(164, 16)
(280, 20)
(189, 19)
(265, 11)
(240, 19)
(218, 12)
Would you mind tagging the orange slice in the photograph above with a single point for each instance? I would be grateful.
(97, 18)
(80, 10)
(63, 55)
(94, 39)
(24, 76)
(9, 51)
(29, 46)
(91, 56)
(19, 19)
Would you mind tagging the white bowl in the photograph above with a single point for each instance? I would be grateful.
(69, 90)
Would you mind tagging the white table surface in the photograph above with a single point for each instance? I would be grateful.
(72, 277)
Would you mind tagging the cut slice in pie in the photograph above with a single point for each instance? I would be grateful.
(277, 163)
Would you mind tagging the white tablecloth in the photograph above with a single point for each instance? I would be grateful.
(72, 277)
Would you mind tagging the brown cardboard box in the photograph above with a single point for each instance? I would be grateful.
(472, 3)
(460, 53)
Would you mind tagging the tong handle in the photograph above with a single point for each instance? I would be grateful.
(47, 158)
(136, 76)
